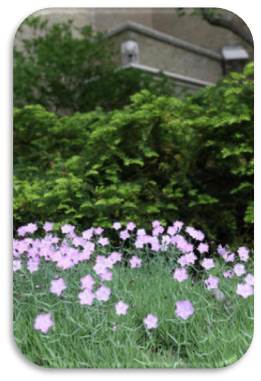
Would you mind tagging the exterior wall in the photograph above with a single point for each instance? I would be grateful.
(189, 27)
(185, 57)
(106, 18)
(181, 86)
(80, 16)
(193, 28)
(171, 58)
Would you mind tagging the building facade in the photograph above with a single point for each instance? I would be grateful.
(184, 47)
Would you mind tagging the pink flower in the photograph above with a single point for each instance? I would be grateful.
(121, 308)
(114, 257)
(228, 274)
(239, 269)
(182, 261)
(155, 245)
(191, 258)
(48, 226)
(229, 257)
(85, 255)
(182, 244)
(89, 247)
(98, 230)
(16, 265)
(78, 241)
(87, 234)
(135, 262)
(151, 321)
(222, 251)
(249, 279)
(180, 274)
(194, 233)
(157, 231)
(21, 231)
(29, 228)
(106, 275)
(178, 225)
(43, 322)
(244, 290)
(139, 243)
(124, 234)
(208, 263)
(65, 263)
(203, 248)
(171, 230)
(212, 282)
(116, 225)
(86, 297)
(155, 224)
(101, 265)
(243, 253)
(131, 226)
(187, 259)
(33, 264)
(184, 309)
(165, 242)
(57, 286)
(67, 229)
(87, 282)
(20, 247)
(103, 241)
(103, 293)
(141, 233)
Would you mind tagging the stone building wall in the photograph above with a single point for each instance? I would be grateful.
(189, 27)
(171, 58)
(185, 46)
(193, 28)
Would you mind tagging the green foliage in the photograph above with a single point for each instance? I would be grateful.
(100, 166)
(95, 337)
(68, 69)
(53, 67)
(223, 120)
(158, 157)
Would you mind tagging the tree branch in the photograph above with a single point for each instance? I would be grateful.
(229, 21)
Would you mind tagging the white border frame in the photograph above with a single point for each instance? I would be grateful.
(13, 365)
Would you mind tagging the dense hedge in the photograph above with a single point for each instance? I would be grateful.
(158, 157)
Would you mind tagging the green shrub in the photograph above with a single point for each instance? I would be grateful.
(158, 157)
(99, 166)
(222, 118)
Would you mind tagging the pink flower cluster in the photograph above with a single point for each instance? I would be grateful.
(67, 249)
(184, 310)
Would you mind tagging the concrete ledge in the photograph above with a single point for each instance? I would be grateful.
(180, 78)
(163, 37)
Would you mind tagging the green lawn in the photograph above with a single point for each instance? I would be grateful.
(216, 335)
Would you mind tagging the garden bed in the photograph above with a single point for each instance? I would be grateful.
(127, 298)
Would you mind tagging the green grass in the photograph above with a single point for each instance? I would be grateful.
(217, 334)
